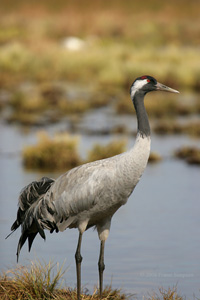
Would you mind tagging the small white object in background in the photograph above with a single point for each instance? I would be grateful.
(73, 43)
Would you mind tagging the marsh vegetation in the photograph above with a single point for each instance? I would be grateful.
(190, 154)
(41, 281)
(45, 79)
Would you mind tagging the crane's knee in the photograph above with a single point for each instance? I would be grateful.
(78, 257)
(101, 266)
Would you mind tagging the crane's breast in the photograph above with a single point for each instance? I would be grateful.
(133, 164)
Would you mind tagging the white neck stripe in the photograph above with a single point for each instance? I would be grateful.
(137, 86)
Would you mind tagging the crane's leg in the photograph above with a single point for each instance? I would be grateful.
(78, 259)
(101, 267)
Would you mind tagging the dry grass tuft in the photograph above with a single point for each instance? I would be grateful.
(166, 294)
(190, 154)
(49, 102)
(154, 157)
(40, 282)
(100, 152)
(167, 127)
(59, 152)
(27, 109)
(35, 282)
(76, 106)
(173, 127)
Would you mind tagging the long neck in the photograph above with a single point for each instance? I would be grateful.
(142, 117)
(132, 163)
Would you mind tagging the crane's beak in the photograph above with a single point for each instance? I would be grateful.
(162, 87)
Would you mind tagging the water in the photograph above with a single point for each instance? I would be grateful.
(154, 239)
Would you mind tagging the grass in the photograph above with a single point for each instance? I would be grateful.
(159, 105)
(166, 294)
(35, 282)
(41, 282)
(33, 104)
(167, 126)
(61, 152)
(100, 152)
(76, 106)
(26, 110)
(55, 153)
(154, 157)
(107, 65)
(124, 42)
(49, 103)
(160, 40)
(190, 154)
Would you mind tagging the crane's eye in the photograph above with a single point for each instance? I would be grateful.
(148, 80)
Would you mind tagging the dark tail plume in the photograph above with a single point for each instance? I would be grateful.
(31, 212)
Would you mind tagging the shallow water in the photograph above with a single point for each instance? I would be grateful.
(154, 239)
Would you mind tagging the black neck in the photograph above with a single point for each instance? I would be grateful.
(142, 117)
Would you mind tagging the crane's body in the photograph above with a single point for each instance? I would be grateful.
(90, 194)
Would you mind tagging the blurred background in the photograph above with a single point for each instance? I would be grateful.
(65, 72)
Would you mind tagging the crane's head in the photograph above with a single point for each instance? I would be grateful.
(146, 83)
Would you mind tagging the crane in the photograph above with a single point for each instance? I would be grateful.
(90, 194)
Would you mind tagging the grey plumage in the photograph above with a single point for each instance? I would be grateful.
(90, 194)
